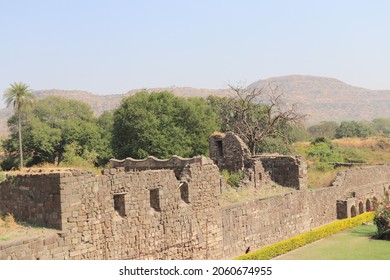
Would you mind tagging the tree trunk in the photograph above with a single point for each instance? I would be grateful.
(252, 146)
(20, 143)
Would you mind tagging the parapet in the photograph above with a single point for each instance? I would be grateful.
(151, 162)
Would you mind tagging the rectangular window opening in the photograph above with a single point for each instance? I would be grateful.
(220, 148)
(184, 192)
(119, 204)
(154, 195)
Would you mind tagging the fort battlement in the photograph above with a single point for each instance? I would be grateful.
(151, 162)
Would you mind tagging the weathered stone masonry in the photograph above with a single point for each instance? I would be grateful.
(163, 217)
(170, 209)
(229, 152)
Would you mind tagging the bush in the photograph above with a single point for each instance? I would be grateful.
(233, 178)
(323, 152)
(295, 242)
(9, 163)
(2, 176)
(354, 155)
(7, 221)
(353, 129)
(382, 219)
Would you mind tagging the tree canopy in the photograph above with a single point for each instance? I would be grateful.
(353, 129)
(57, 130)
(162, 124)
(382, 126)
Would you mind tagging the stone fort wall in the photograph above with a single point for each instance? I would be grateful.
(33, 197)
(159, 214)
(146, 214)
(258, 223)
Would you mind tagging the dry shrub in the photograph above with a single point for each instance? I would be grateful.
(357, 142)
(319, 179)
(10, 221)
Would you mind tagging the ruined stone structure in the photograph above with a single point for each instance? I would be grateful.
(170, 209)
(229, 152)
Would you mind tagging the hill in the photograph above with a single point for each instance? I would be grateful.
(319, 97)
(331, 99)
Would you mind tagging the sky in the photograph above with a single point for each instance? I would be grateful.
(111, 47)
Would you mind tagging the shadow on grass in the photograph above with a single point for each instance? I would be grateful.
(364, 231)
(368, 231)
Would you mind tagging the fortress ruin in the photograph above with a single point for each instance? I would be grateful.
(171, 209)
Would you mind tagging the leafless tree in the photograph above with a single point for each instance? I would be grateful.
(257, 113)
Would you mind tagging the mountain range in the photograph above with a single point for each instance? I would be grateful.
(321, 98)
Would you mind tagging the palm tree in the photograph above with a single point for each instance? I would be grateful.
(20, 96)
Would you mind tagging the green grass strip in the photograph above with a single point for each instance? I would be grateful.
(295, 242)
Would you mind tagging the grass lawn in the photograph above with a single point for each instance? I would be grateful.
(351, 244)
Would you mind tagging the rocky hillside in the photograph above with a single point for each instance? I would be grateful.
(321, 98)
(330, 99)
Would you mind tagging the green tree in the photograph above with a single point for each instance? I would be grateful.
(162, 124)
(21, 97)
(353, 129)
(322, 152)
(382, 126)
(105, 123)
(57, 129)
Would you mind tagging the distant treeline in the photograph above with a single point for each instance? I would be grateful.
(361, 129)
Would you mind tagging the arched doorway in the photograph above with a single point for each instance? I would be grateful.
(375, 202)
(353, 211)
(368, 205)
(361, 207)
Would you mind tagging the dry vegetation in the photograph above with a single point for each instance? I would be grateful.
(373, 150)
(7, 225)
(11, 229)
(320, 179)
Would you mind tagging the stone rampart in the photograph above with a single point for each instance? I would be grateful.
(38, 247)
(147, 214)
(257, 223)
(261, 222)
(158, 214)
(33, 198)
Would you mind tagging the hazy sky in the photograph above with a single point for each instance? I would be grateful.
(113, 46)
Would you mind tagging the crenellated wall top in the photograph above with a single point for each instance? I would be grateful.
(152, 162)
